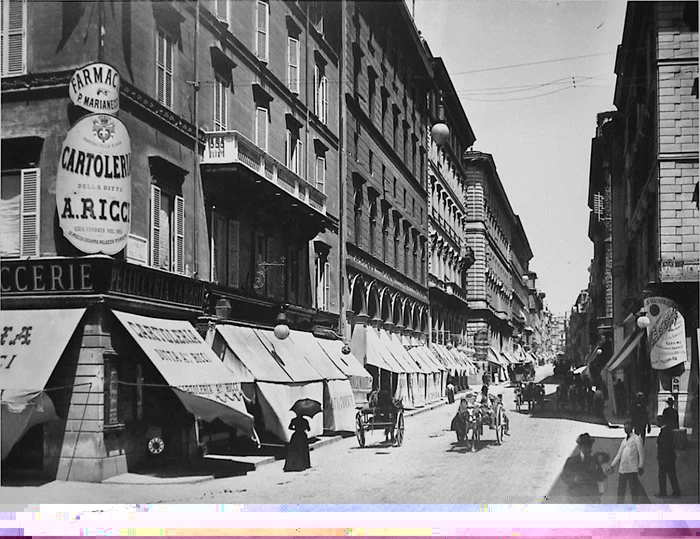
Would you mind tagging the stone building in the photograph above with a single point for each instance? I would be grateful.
(654, 148)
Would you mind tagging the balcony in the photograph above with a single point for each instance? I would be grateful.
(232, 148)
(448, 288)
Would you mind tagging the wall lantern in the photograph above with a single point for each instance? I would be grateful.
(440, 132)
(643, 320)
(281, 328)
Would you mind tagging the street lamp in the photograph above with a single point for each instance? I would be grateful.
(440, 132)
(281, 328)
(643, 320)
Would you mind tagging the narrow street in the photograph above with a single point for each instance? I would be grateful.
(428, 468)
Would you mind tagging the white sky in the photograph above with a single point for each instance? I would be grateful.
(541, 143)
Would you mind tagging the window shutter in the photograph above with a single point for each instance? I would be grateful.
(29, 231)
(221, 13)
(168, 73)
(321, 173)
(179, 265)
(293, 68)
(155, 226)
(317, 89)
(299, 158)
(324, 100)
(160, 67)
(261, 128)
(326, 285)
(13, 37)
(233, 254)
(262, 16)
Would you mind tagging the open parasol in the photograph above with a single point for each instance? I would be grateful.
(306, 407)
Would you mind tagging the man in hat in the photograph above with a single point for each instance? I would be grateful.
(666, 456)
(630, 457)
(582, 472)
(671, 414)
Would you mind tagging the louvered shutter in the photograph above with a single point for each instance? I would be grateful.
(288, 150)
(326, 286)
(233, 254)
(293, 68)
(317, 99)
(160, 67)
(299, 158)
(13, 37)
(261, 128)
(262, 26)
(155, 226)
(179, 228)
(324, 99)
(321, 173)
(29, 231)
(221, 11)
(168, 72)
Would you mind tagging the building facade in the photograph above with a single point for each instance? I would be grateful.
(654, 144)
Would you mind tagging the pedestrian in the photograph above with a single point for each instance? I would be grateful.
(486, 378)
(630, 458)
(666, 456)
(583, 473)
(640, 416)
(298, 458)
(506, 423)
(620, 397)
(671, 414)
(450, 392)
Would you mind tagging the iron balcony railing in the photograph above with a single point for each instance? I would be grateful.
(229, 147)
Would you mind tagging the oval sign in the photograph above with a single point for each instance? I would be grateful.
(95, 87)
(93, 185)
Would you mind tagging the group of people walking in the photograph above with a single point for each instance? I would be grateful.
(584, 475)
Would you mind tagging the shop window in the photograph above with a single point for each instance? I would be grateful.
(263, 23)
(19, 212)
(225, 244)
(165, 51)
(14, 37)
(167, 228)
(123, 390)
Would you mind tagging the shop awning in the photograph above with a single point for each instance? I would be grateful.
(250, 354)
(393, 344)
(447, 358)
(494, 357)
(308, 345)
(360, 379)
(619, 358)
(509, 356)
(378, 355)
(202, 383)
(434, 363)
(425, 366)
(292, 357)
(32, 344)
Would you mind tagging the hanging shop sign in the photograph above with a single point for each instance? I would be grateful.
(93, 185)
(666, 333)
(95, 87)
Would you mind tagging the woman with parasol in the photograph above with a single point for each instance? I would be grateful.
(298, 458)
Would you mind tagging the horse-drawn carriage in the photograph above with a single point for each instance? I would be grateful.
(472, 415)
(381, 413)
(531, 393)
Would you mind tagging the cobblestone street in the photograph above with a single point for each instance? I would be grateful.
(429, 468)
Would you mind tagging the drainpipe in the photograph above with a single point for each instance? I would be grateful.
(343, 300)
(195, 154)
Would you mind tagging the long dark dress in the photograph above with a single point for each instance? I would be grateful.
(298, 458)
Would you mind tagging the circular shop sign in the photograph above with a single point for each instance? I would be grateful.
(95, 87)
(93, 185)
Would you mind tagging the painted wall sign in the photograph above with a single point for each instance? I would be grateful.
(666, 333)
(95, 87)
(93, 185)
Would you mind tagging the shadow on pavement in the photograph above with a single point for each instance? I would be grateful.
(686, 468)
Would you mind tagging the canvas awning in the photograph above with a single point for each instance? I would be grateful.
(360, 380)
(280, 371)
(509, 357)
(378, 355)
(432, 362)
(494, 357)
(393, 344)
(424, 364)
(32, 344)
(204, 386)
(624, 353)
(449, 360)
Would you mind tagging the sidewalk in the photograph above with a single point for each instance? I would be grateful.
(238, 463)
(686, 468)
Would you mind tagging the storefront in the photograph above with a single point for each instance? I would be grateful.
(387, 373)
(105, 360)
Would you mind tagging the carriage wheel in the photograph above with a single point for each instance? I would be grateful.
(398, 435)
(360, 430)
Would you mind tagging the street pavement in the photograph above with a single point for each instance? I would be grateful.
(430, 468)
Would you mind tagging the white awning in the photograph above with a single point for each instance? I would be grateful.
(199, 379)
(623, 354)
